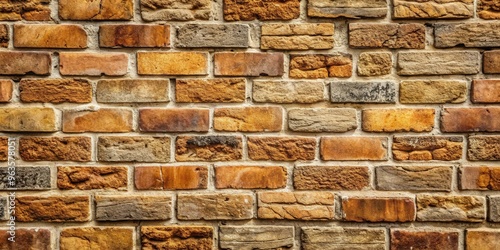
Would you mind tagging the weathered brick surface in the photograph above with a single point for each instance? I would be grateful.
(171, 177)
(32, 10)
(470, 119)
(208, 148)
(27, 238)
(450, 63)
(96, 10)
(398, 120)
(50, 36)
(105, 238)
(248, 64)
(297, 36)
(343, 238)
(74, 148)
(413, 239)
(86, 178)
(480, 178)
(330, 177)
(254, 9)
(133, 149)
(55, 90)
(281, 148)
(167, 63)
(414, 178)
(434, 9)
(483, 148)
(254, 119)
(27, 178)
(296, 205)
(432, 91)
(374, 63)
(322, 120)
(256, 237)
(467, 34)
(126, 207)
(133, 36)
(487, 239)
(177, 237)
(28, 119)
(491, 62)
(215, 206)
(378, 209)
(362, 92)
(4, 35)
(53, 208)
(321, 65)
(132, 90)
(173, 120)
(24, 63)
(437, 207)
(6, 87)
(485, 91)
(213, 35)
(161, 10)
(349, 9)
(230, 90)
(425, 148)
(93, 64)
(102, 120)
(487, 9)
(394, 36)
(288, 91)
(494, 208)
(250, 177)
(353, 148)
(4, 148)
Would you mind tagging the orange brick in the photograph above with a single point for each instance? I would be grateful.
(248, 177)
(26, 238)
(331, 177)
(426, 148)
(177, 237)
(53, 208)
(96, 10)
(131, 36)
(87, 178)
(482, 239)
(248, 64)
(55, 90)
(23, 63)
(64, 36)
(281, 148)
(132, 90)
(55, 148)
(470, 119)
(29, 10)
(168, 63)
(375, 209)
(174, 120)
(491, 62)
(485, 91)
(353, 148)
(210, 90)
(93, 64)
(6, 87)
(321, 65)
(480, 178)
(95, 237)
(28, 120)
(171, 177)
(413, 239)
(4, 149)
(4, 36)
(250, 119)
(398, 120)
(101, 120)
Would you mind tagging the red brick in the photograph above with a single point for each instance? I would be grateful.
(96, 10)
(53, 208)
(6, 87)
(101, 120)
(250, 119)
(331, 177)
(23, 63)
(485, 91)
(107, 238)
(210, 90)
(248, 177)
(93, 64)
(398, 120)
(171, 177)
(174, 120)
(248, 64)
(413, 239)
(87, 178)
(470, 119)
(26, 238)
(167, 63)
(55, 90)
(353, 148)
(491, 62)
(375, 209)
(482, 239)
(64, 36)
(134, 36)
(480, 178)
(281, 148)
(55, 148)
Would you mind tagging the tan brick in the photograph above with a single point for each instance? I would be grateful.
(228, 90)
(170, 10)
(321, 65)
(28, 120)
(26, 238)
(450, 63)
(256, 237)
(249, 119)
(133, 148)
(55, 90)
(87, 178)
(248, 177)
(288, 91)
(254, 9)
(248, 64)
(491, 62)
(482, 239)
(171, 177)
(93, 64)
(296, 205)
(432, 91)
(96, 10)
(105, 238)
(362, 92)
(132, 207)
(212, 36)
(177, 237)
(31, 10)
(434, 9)
(398, 120)
(52, 208)
(374, 63)
(348, 9)
(4, 35)
(6, 87)
(134, 36)
(424, 239)
(101, 120)
(450, 208)
(426, 148)
(392, 35)
(297, 36)
(174, 120)
(24, 63)
(485, 91)
(132, 90)
(480, 178)
(322, 120)
(378, 209)
(215, 206)
(208, 148)
(487, 9)
(76, 148)
(65, 36)
(330, 177)
(483, 148)
(167, 63)
(470, 119)
(336, 237)
(448, 35)
(414, 178)
(353, 148)
(281, 148)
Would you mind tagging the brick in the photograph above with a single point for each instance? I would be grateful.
(105, 238)
(488, 9)
(483, 148)
(482, 239)
(363, 92)
(224, 90)
(167, 63)
(321, 65)
(27, 178)
(398, 120)
(248, 64)
(281, 148)
(132, 207)
(26, 238)
(480, 178)
(170, 10)
(171, 177)
(133, 148)
(64, 36)
(348, 9)
(450, 63)
(215, 206)
(4, 35)
(52, 208)
(93, 64)
(330, 177)
(288, 91)
(249, 119)
(208, 148)
(6, 88)
(353, 148)
(374, 63)
(414, 178)
(470, 119)
(28, 120)
(174, 120)
(213, 35)
(322, 120)
(378, 209)
(466, 34)
(100, 120)
(88, 178)
(134, 36)
(4, 148)
(432, 91)
(391, 35)
(494, 208)
(491, 62)
(132, 90)
(31, 10)
(296, 205)
(177, 237)
(3, 211)
(485, 91)
(256, 237)
(69, 148)
(413, 239)
(55, 90)
(450, 208)
(24, 63)
(338, 238)
(254, 9)
(96, 10)
(250, 177)
(426, 148)
(434, 9)
(297, 36)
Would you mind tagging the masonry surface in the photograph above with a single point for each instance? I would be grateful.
(276, 124)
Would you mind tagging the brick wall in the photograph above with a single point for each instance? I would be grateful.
(276, 124)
